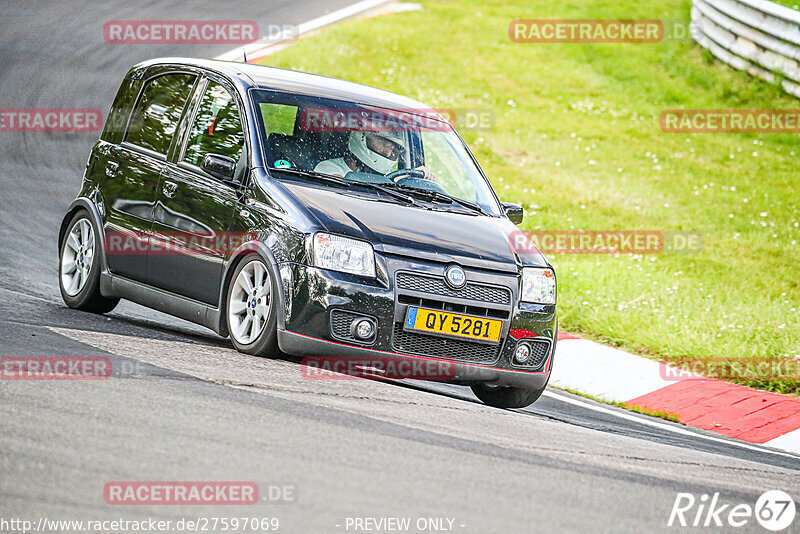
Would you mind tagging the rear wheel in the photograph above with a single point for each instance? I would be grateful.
(507, 397)
(79, 268)
(251, 308)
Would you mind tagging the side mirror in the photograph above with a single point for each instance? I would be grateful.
(513, 212)
(219, 166)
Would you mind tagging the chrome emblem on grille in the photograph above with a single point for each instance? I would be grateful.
(455, 277)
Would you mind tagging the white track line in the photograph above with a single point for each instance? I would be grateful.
(605, 372)
(789, 441)
(255, 47)
(675, 429)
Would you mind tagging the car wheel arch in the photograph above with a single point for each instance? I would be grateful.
(246, 250)
(85, 204)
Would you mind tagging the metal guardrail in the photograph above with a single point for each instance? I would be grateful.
(760, 37)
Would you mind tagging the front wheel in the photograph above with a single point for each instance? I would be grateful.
(252, 308)
(79, 268)
(507, 397)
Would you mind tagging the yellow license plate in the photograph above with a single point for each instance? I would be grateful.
(453, 324)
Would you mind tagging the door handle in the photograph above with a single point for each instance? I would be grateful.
(169, 188)
(111, 168)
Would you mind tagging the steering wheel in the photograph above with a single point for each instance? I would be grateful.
(416, 173)
(421, 184)
(415, 179)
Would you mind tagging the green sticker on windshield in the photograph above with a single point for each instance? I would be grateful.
(282, 164)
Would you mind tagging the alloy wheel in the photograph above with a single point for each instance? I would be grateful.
(77, 257)
(249, 304)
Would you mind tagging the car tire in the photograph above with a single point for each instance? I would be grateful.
(507, 397)
(79, 267)
(251, 308)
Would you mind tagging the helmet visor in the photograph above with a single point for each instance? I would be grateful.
(383, 146)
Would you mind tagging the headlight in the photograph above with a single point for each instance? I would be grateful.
(342, 254)
(538, 286)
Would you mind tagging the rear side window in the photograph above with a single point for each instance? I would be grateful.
(158, 111)
(217, 128)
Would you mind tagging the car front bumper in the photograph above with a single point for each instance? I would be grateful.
(314, 298)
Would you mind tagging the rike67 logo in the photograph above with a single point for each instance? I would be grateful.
(774, 510)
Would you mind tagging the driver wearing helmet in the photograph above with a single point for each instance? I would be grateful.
(372, 152)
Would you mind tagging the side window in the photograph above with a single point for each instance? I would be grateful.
(443, 160)
(159, 109)
(217, 128)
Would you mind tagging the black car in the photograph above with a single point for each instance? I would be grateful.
(313, 216)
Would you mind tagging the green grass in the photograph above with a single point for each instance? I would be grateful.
(577, 142)
(794, 4)
(661, 414)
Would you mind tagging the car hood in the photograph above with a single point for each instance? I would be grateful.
(479, 241)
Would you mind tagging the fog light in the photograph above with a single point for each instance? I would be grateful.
(363, 329)
(523, 353)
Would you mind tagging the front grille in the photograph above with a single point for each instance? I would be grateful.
(444, 348)
(437, 286)
(540, 348)
(457, 308)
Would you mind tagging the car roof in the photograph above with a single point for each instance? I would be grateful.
(279, 79)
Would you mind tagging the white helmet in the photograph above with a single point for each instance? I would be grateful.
(358, 146)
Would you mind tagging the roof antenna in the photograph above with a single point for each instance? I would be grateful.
(244, 54)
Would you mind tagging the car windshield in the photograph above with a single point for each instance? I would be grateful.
(414, 151)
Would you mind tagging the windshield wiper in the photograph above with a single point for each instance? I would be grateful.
(383, 189)
(438, 195)
(312, 174)
(344, 183)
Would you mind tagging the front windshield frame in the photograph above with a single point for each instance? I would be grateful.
(490, 203)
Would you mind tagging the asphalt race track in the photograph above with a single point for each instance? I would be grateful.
(185, 406)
